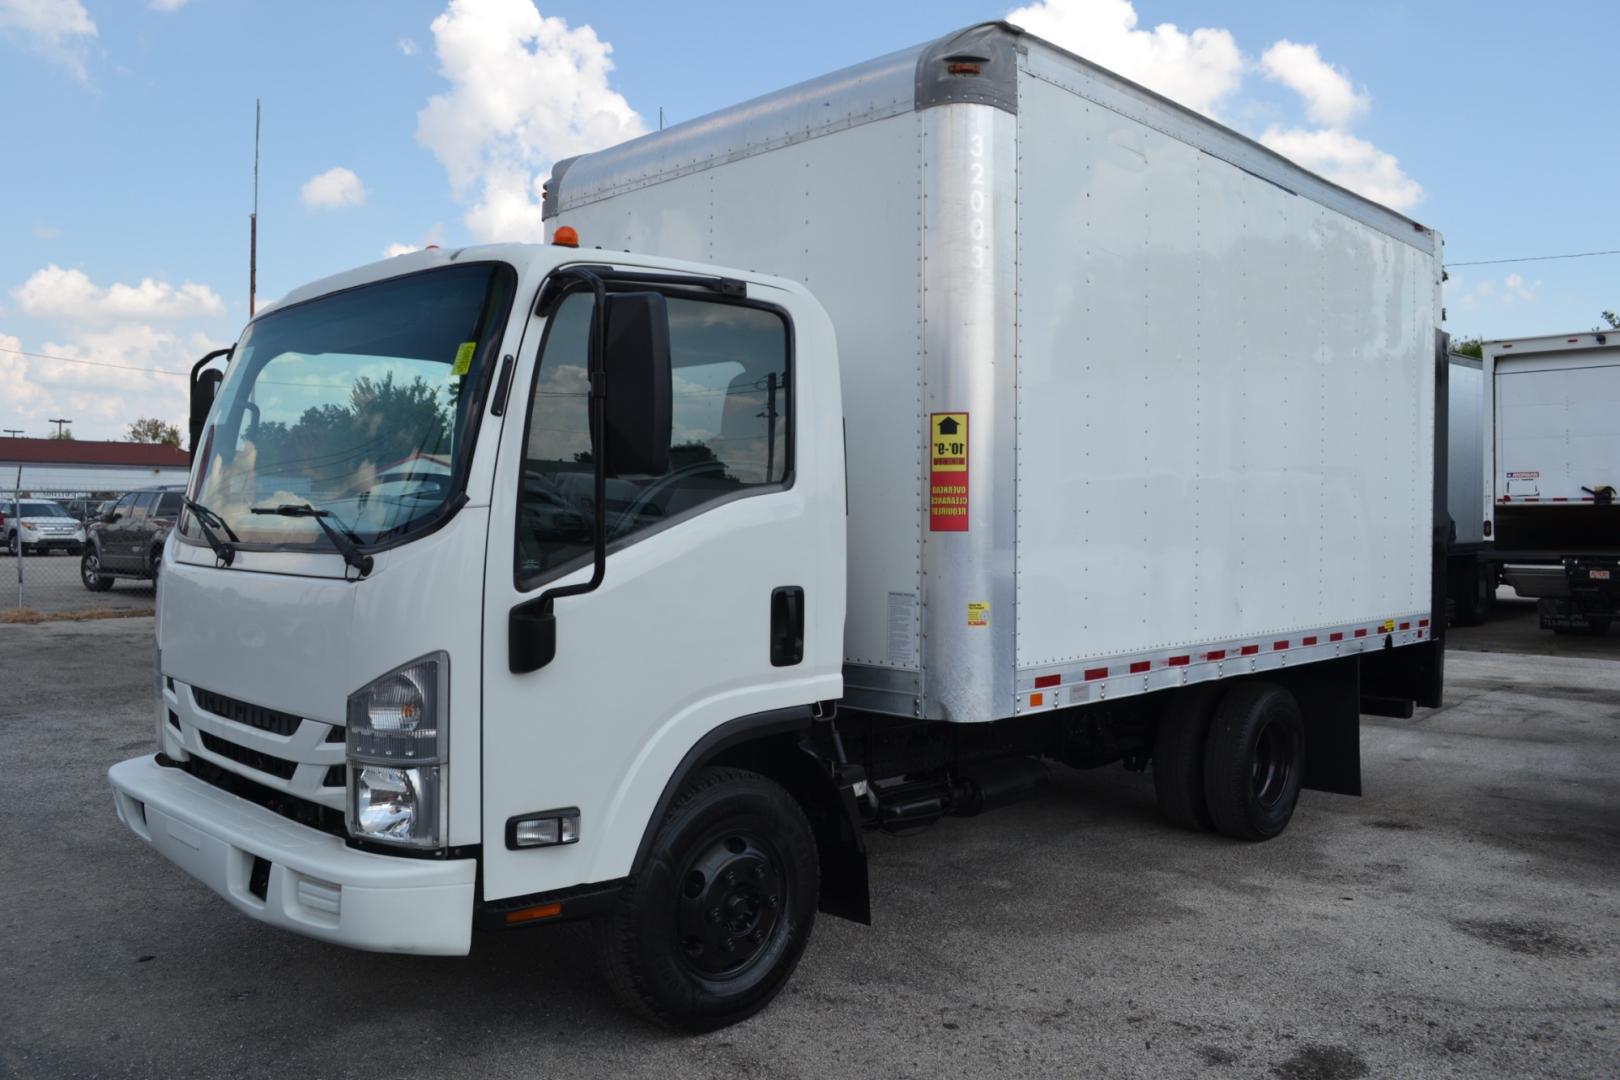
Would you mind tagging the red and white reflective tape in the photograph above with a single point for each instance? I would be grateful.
(1076, 682)
(1539, 499)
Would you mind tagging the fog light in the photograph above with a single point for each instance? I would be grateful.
(549, 828)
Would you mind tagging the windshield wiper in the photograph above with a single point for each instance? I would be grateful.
(224, 552)
(347, 545)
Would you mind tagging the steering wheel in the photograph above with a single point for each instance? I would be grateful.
(644, 505)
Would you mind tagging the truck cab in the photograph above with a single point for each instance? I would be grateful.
(486, 554)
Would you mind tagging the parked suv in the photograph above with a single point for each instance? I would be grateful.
(128, 540)
(39, 525)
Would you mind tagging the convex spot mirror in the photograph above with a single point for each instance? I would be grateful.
(636, 411)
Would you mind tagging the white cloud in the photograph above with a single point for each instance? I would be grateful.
(407, 46)
(1349, 162)
(1198, 69)
(525, 90)
(1330, 98)
(167, 6)
(47, 232)
(1205, 70)
(70, 294)
(1509, 291)
(102, 396)
(333, 188)
(397, 248)
(59, 30)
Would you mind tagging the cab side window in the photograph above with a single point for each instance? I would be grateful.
(143, 503)
(124, 506)
(731, 410)
(168, 505)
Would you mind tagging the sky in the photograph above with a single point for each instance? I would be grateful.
(388, 124)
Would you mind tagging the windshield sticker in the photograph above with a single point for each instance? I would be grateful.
(464, 357)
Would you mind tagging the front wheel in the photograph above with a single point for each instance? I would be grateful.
(713, 925)
(90, 572)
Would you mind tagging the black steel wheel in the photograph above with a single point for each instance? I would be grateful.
(90, 572)
(1254, 760)
(1178, 757)
(712, 926)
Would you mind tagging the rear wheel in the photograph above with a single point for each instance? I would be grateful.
(1254, 760)
(155, 565)
(1178, 759)
(711, 928)
(90, 572)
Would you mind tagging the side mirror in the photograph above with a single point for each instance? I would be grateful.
(109, 517)
(637, 408)
(203, 389)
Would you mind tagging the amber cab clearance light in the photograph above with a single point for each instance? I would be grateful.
(533, 914)
(565, 236)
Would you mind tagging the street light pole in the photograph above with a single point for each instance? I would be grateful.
(59, 425)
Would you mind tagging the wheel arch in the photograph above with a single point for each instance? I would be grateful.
(774, 745)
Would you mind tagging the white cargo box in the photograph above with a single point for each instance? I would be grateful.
(1131, 401)
(1555, 407)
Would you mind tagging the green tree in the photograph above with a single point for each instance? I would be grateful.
(1611, 318)
(149, 429)
(66, 434)
(1469, 347)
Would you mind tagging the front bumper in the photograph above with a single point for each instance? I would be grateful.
(317, 885)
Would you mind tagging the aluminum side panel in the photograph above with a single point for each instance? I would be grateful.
(843, 215)
(1465, 440)
(1225, 397)
(970, 341)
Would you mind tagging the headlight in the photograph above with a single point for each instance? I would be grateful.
(398, 749)
(27, 524)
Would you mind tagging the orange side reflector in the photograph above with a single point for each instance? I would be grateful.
(531, 914)
(1035, 700)
(565, 236)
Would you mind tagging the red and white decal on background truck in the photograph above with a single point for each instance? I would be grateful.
(1080, 681)
(948, 472)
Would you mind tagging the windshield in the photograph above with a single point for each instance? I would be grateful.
(363, 403)
(43, 510)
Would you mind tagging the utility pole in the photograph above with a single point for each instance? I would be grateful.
(253, 219)
(59, 425)
(12, 431)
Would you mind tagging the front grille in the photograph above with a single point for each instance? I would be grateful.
(302, 811)
(336, 776)
(253, 759)
(256, 716)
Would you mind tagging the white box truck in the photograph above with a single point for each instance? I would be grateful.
(1552, 473)
(1471, 586)
(1038, 421)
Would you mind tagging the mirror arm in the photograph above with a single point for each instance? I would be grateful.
(531, 639)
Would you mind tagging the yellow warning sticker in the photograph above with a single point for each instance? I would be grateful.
(464, 357)
(1386, 626)
(978, 613)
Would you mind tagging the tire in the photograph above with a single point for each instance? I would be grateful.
(90, 572)
(663, 945)
(154, 565)
(1254, 760)
(12, 545)
(1178, 759)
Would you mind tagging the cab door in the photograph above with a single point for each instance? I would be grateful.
(112, 541)
(678, 639)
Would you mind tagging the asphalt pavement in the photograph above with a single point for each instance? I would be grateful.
(1460, 919)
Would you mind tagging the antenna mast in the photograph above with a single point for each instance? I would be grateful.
(253, 219)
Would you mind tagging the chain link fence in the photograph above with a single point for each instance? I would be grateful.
(80, 554)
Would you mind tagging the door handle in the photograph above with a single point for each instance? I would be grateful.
(787, 626)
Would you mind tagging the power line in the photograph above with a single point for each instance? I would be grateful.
(93, 363)
(1536, 258)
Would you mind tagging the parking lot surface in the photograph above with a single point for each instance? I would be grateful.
(51, 584)
(1461, 919)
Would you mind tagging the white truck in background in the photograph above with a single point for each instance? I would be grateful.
(1039, 421)
(1552, 474)
(1472, 575)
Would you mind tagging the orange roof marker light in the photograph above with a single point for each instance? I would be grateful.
(565, 236)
